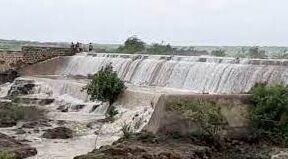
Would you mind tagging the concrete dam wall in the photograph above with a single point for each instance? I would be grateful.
(155, 80)
(197, 74)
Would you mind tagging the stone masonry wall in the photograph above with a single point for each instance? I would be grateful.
(29, 55)
(32, 55)
(12, 61)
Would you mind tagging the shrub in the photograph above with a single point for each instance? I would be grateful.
(206, 114)
(269, 114)
(105, 86)
(7, 155)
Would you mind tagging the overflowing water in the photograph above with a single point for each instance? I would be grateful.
(81, 115)
(149, 76)
(197, 74)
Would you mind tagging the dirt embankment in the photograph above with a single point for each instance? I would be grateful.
(147, 146)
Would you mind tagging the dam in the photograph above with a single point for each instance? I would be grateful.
(151, 80)
(197, 74)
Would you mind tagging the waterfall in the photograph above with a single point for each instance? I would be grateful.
(196, 73)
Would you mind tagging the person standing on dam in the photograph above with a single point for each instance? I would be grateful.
(77, 47)
(90, 47)
(73, 48)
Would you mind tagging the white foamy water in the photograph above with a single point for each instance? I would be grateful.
(80, 113)
(197, 74)
(4, 88)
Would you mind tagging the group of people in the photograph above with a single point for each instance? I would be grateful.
(79, 47)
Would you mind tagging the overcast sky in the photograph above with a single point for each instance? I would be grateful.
(180, 22)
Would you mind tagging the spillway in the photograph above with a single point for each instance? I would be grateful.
(195, 73)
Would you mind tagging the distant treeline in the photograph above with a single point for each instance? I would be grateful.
(134, 45)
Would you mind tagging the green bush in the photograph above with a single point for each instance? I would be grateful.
(105, 86)
(7, 155)
(269, 114)
(206, 114)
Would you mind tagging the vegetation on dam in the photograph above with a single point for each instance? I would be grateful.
(269, 113)
(105, 86)
(203, 113)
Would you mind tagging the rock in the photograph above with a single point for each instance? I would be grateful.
(30, 125)
(58, 133)
(94, 108)
(136, 148)
(33, 100)
(36, 130)
(61, 122)
(63, 108)
(7, 122)
(77, 107)
(21, 87)
(20, 131)
(34, 124)
(15, 147)
(94, 125)
(8, 76)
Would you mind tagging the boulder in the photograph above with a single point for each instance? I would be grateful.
(77, 107)
(58, 133)
(8, 76)
(63, 108)
(35, 124)
(20, 131)
(21, 87)
(7, 122)
(33, 100)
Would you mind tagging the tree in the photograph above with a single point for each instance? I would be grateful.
(218, 53)
(255, 52)
(160, 49)
(105, 86)
(132, 45)
(282, 55)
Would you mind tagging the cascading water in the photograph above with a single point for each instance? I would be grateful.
(73, 109)
(197, 74)
(155, 74)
